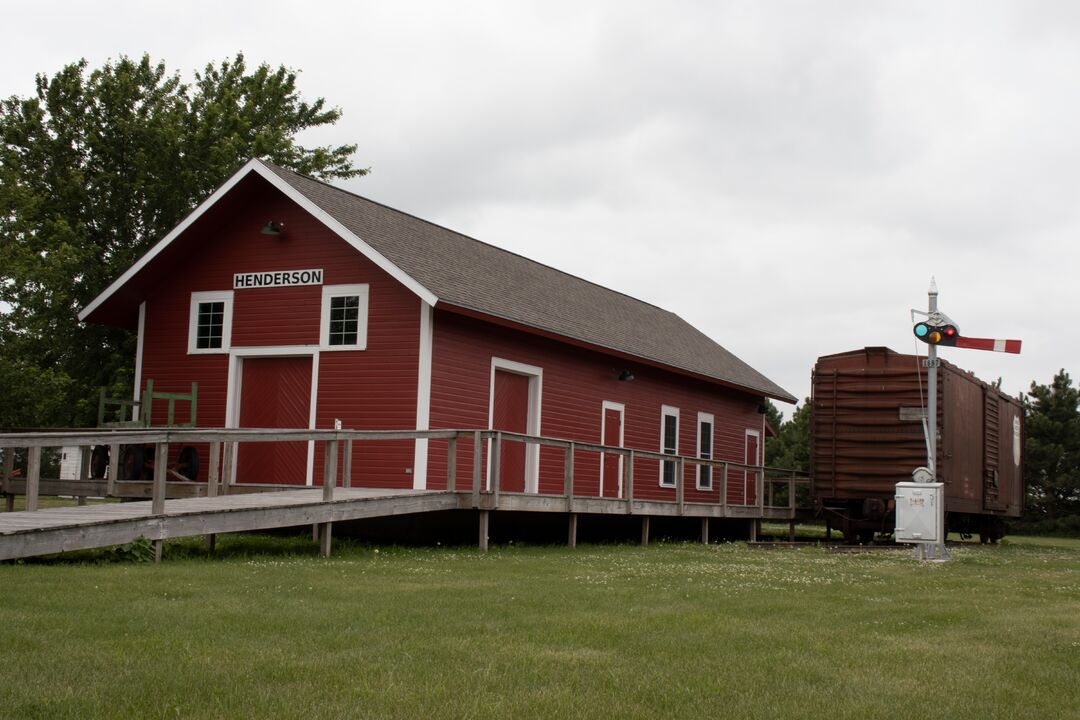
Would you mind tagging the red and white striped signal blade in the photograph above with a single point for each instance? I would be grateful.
(1009, 346)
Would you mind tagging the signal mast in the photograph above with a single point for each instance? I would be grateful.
(920, 504)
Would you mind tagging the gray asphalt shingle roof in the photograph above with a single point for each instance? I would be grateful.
(471, 274)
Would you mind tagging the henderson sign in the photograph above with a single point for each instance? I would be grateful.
(280, 278)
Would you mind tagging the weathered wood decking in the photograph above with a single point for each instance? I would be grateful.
(43, 532)
(234, 508)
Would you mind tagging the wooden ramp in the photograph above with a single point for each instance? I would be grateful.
(42, 532)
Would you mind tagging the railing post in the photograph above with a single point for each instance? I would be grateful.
(33, 476)
(451, 464)
(759, 487)
(114, 470)
(568, 479)
(329, 470)
(346, 464)
(680, 484)
(227, 452)
(496, 452)
(477, 467)
(85, 453)
(791, 494)
(161, 459)
(723, 485)
(772, 496)
(213, 476)
(629, 485)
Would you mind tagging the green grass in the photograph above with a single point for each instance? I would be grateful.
(267, 629)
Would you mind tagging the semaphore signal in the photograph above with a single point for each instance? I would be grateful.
(923, 499)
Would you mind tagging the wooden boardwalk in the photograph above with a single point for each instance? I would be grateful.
(42, 532)
(221, 506)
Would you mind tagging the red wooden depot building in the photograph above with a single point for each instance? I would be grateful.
(340, 308)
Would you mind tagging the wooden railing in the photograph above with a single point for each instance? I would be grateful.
(486, 486)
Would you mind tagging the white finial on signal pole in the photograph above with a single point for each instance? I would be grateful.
(933, 286)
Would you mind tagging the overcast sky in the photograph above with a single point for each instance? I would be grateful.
(786, 176)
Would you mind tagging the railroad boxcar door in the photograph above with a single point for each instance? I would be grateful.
(510, 412)
(611, 465)
(753, 453)
(275, 392)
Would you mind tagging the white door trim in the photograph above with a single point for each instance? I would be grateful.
(532, 452)
(621, 409)
(235, 388)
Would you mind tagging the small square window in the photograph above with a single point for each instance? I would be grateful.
(344, 317)
(210, 324)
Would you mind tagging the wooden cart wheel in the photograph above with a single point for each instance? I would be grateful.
(187, 463)
(99, 462)
(132, 463)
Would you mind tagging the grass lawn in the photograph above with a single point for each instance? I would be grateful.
(267, 629)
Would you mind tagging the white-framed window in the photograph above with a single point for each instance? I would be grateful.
(669, 443)
(344, 317)
(210, 322)
(705, 426)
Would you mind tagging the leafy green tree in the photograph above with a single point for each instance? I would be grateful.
(1052, 453)
(790, 448)
(94, 168)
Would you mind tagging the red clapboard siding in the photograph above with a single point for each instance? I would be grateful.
(370, 389)
(575, 383)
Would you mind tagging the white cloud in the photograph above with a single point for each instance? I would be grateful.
(786, 175)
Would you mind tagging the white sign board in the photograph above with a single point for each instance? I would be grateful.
(279, 278)
(920, 512)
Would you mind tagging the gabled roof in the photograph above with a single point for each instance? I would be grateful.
(446, 268)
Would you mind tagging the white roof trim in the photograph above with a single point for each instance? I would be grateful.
(255, 165)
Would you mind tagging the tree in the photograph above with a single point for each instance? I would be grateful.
(1052, 453)
(790, 448)
(94, 168)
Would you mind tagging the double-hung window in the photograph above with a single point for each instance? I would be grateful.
(669, 443)
(704, 450)
(344, 317)
(210, 322)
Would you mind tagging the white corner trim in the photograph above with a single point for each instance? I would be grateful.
(139, 341)
(255, 165)
(423, 397)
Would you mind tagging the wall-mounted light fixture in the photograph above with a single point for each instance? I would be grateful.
(272, 228)
(626, 375)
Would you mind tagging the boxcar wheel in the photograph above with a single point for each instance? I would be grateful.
(131, 465)
(187, 463)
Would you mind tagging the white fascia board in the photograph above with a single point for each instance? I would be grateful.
(255, 165)
(344, 233)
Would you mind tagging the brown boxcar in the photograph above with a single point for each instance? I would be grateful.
(867, 435)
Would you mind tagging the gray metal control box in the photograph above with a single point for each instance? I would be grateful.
(920, 512)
